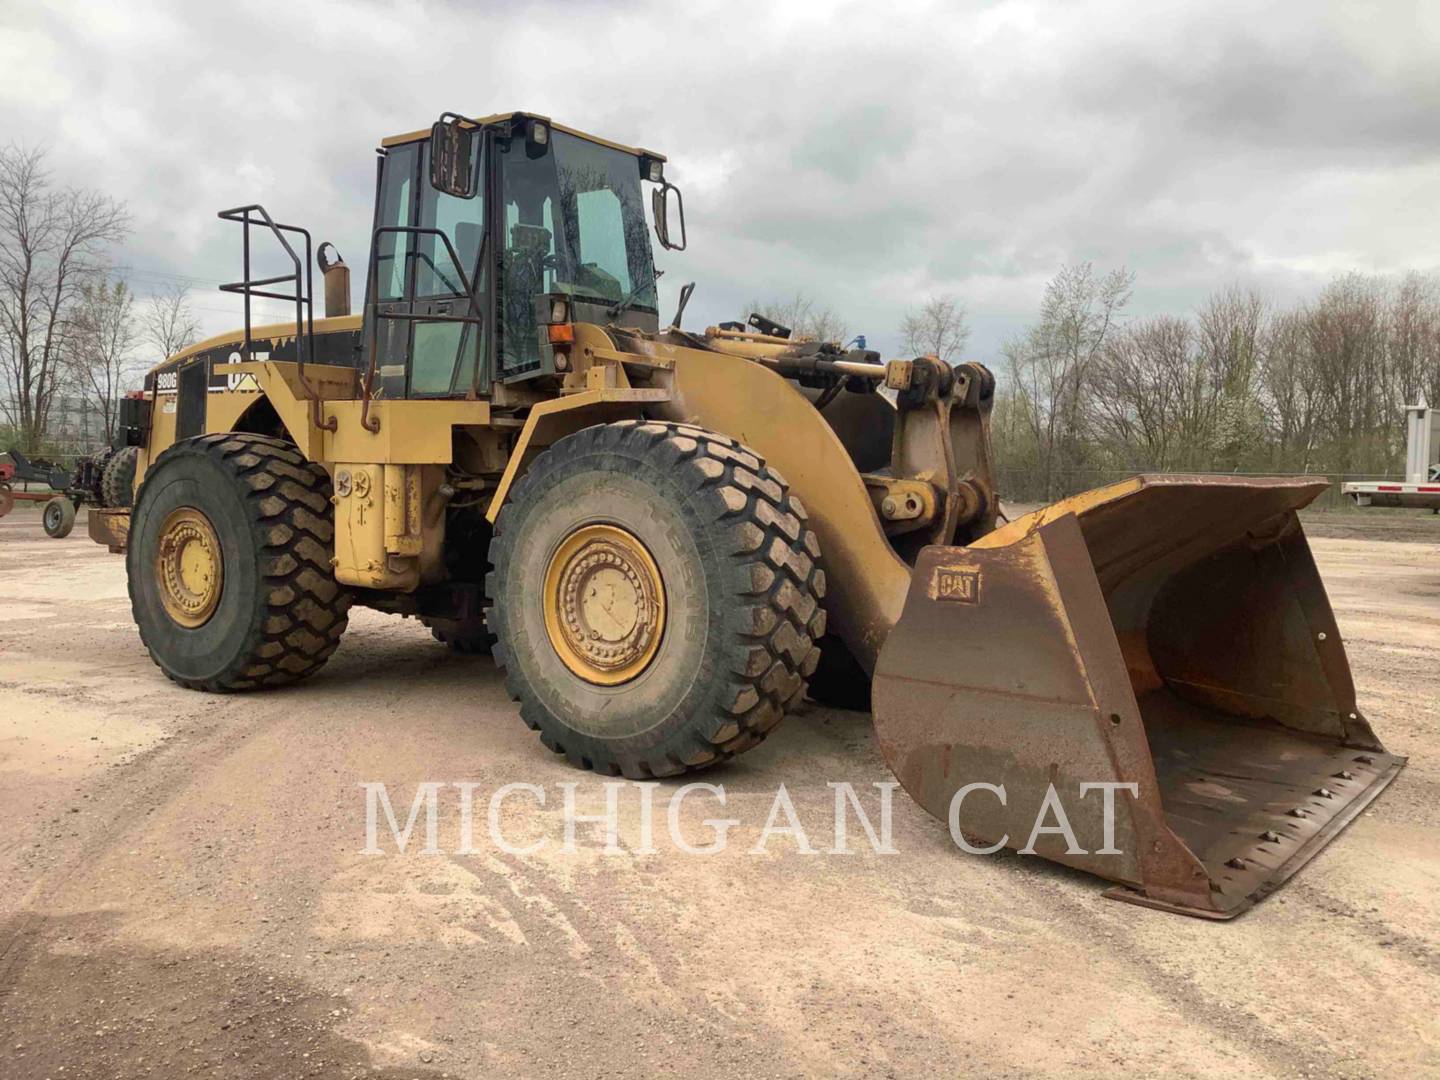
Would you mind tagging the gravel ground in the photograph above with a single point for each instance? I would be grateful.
(183, 889)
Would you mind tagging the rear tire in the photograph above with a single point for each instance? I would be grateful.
(839, 681)
(250, 516)
(98, 462)
(469, 636)
(117, 478)
(711, 606)
(467, 562)
(58, 517)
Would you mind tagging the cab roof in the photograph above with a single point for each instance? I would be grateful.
(638, 151)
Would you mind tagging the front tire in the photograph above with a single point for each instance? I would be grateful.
(656, 598)
(229, 564)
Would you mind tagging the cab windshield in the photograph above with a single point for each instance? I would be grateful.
(575, 224)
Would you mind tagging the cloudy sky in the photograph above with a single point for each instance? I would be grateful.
(869, 154)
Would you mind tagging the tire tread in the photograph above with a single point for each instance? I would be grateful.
(117, 477)
(305, 609)
(775, 633)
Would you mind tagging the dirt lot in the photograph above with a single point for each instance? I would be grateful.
(182, 888)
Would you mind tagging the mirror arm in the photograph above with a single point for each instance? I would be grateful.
(685, 292)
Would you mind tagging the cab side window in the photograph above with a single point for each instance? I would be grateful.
(530, 259)
(396, 208)
(463, 221)
(444, 354)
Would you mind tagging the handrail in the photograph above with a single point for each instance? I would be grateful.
(302, 297)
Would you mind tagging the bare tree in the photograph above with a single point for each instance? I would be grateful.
(791, 311)
(1413, 347)
(1230, 324)
(167, 322)
(101, 353)
(802, 316)
(1290, 390)
(826, 325)
(51, 244)
(1052, 365)
(1347, 349)
(936, 328)
(1149, 399)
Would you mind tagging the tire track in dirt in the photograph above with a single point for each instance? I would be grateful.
(123, 799)
(1254, 1035)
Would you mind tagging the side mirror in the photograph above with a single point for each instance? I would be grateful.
(660, 203)
(452, 159)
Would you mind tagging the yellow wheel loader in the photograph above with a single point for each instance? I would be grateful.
(664, 535)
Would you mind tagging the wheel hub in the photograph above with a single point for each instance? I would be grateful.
(604, 604)
(188, 567)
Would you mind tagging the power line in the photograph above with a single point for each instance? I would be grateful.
(276, 309)
(165, 275)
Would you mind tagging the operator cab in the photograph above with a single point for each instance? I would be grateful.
(489, 231)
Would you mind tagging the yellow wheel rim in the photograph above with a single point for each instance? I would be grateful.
(604, 604)
(188, 567)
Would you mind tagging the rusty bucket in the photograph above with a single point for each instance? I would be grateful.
(1168, 633)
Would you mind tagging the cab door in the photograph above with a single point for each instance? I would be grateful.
(388, 288)
(427, 309)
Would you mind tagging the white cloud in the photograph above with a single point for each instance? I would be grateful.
(865, 153)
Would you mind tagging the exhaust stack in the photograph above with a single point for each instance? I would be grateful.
(337, 281)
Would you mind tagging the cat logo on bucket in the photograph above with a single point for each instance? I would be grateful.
(960, 584)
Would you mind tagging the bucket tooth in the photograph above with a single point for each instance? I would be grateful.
(1167, 639)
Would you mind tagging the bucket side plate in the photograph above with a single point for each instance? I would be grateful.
(1168, 634)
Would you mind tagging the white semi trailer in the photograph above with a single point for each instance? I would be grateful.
(1422, 466)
